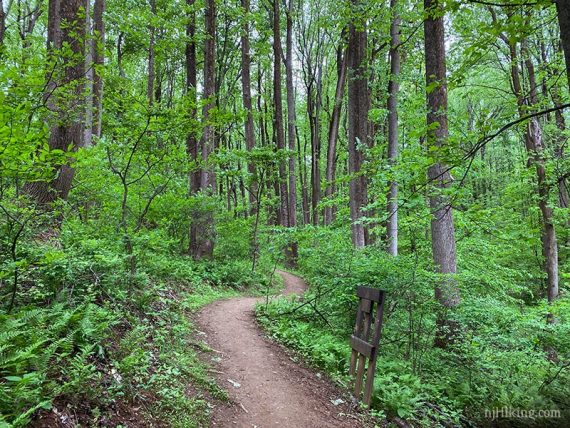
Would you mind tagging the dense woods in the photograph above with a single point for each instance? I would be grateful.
(158, 155)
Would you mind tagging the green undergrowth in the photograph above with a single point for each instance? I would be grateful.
(506, 356)
(97, 346)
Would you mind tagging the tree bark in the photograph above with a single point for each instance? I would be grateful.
(535, 148)
(333, 133)
(89, 76)
(151, 55)
(204, 221)
(563, 8)
(358, 105)
(246, 92)
(278, 114)
(442, 227)
(2, 24)
(66, 24)
(98, 63)
(292, 248)
(393, 89)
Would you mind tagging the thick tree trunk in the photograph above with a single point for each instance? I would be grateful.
(333, 133)
(358, 105)
(442, 228)
(66, 24)
(563, 8)
(98, 63)
(151, 55)
(246, 92)
(278, 114)
(393, 89)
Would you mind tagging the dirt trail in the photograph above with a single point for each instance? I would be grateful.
(266, 387)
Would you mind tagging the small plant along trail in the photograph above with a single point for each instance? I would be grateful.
(266, 387)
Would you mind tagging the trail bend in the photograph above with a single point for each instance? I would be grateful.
(266, 387)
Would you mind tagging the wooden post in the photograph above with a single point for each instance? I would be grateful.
(362, 349)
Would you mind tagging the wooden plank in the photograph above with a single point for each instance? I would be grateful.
(368, 388)
(362, 346)
(373, 294)
(366, 306)
(353, 357)
(359, 375)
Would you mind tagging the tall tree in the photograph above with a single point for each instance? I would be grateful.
(563, 8)
(334, 123)
(151, 55)
(535, 148)
(358, 106)
(246, 95)
(291, 117)
(203, 246)
(442, 227)
(393, 89)
(66, 26)
(278, 114)
(2, 23)
(98, 63)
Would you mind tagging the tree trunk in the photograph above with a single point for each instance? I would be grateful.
(314, 104)
(191, 139)
(151, 55)
(246, 92)
(2, 24)
(563, 8)
(98, 63)
(66, 24)
(393, 89)
(204, 220)
(89, 76)
(358, 105)
(442, 228)
(333, 133)
(535, 149)
(292, 248)
(278, 114)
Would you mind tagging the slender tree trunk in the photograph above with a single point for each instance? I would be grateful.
(2, 24)
(563, 8)
(89, 76)
(314, 117)
(151, 55)
(393, 89)
(535, 147)
(246, 92)
(204, 221)
(442, 228)
(98, 63)
(66, 25)
(333, 132)
(191, 138)
(278, 113)
(358, 105)
(291, 119)
(292, 248)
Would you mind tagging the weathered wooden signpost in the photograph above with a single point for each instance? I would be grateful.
(368, 324)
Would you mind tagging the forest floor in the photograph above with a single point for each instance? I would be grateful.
(267, 385)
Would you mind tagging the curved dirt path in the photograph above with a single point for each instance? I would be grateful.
(266, 387)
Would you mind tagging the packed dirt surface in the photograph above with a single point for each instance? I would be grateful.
(266, 387)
